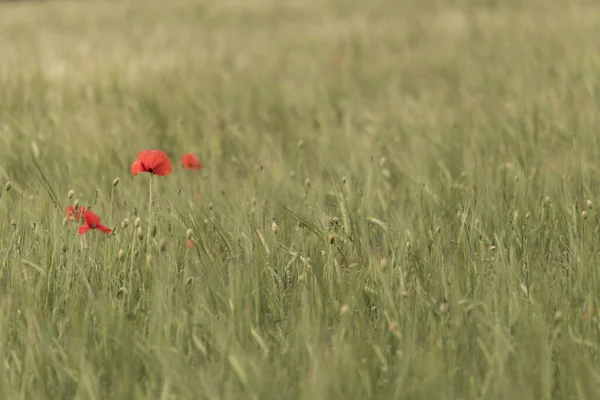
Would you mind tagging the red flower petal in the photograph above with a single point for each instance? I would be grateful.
(189, 243)
(104, 228)
(83, 229)
(190, 161)
(70, 212)
(154, 161)
(91, 219)
(137, 167)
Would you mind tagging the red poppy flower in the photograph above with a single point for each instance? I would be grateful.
(155, 162)
(190, 161)
(92, 221)
(73, 214)
(189, 243)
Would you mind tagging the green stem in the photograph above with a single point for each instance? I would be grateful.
(149, 214)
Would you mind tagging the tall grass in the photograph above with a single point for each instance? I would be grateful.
(399, 200)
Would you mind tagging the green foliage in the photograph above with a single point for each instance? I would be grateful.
(397, 200)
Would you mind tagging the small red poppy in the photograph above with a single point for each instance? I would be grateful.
(155, 162)
(190, 161)
(92, 221)
(73, 214)
(189, 243)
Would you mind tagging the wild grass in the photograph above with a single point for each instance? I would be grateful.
(399, 200)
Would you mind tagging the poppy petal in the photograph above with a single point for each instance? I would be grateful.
(83, 229)
(190, 161)
(91, 219)
(104, 228)
(156, 162)
(137, 167)
(70, 212)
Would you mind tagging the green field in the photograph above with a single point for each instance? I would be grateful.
(399, 200)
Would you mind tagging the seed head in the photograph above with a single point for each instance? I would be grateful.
(274, 227)
(121, 255)
(137, 222)
(71, 194)
(125, 223)
(189, 234)
(8, 186)
(140, 234)
(162, 245)
(116, 182)
(547, 200)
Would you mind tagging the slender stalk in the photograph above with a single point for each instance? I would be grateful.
(149, 213)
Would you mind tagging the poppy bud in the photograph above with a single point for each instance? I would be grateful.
(13, 223)
(189, 234)
(335, 220)
(344, 309)
(332, 239)
(547, 200)
(344, 180)
(137, 222)
(140, 234)
(190, 280)
(307, 183)
(153, 231)
(64, 248)
(71, 194)
(584, 214)
(301, 144)
(76, 204)
(162, 245)
(589, 204)
(125, 223)
(65, 221)
(383, 263)
(121, 255)
(116, 182)
(122, 292)
(274, 227)
(210, 206)
(8, 186)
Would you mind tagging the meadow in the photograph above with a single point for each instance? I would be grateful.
(397, 200)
